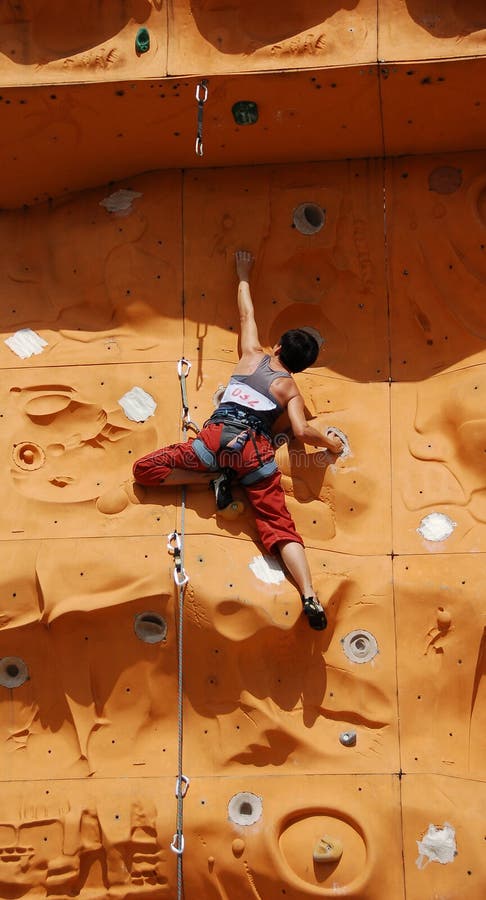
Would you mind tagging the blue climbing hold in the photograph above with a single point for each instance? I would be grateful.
(142, 40)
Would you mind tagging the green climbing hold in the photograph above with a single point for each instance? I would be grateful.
(142, 40)
(245, 112)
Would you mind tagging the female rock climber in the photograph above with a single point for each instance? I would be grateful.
(236, 442)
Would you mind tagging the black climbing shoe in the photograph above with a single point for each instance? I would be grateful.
(222, 490)
(314, 612)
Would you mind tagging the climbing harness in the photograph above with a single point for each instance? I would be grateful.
(175, 546)
(201, 97)
(238, 428)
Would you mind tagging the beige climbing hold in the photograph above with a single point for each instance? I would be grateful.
(444, 619)
(113, 501)
(235, 509)
(328, 849)
(238, 846)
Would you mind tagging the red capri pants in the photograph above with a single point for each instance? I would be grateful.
(272, 518)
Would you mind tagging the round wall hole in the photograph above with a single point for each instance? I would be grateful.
(150, 627)
(13, 671)
(245, 808)
(309, 218)
(360, 646)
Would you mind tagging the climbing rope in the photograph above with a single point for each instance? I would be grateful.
(175, 546)
(201, 97)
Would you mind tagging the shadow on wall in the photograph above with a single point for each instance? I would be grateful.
(448, 19)
(80, 703)
(36, 31)
(246, 25)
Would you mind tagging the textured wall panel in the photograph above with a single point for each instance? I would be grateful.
(437, 243)
(207, 36)
(438, 801)
(98, 700)
(273, 858)
(441, 664)
(267, 702)
(438, 447)
(334, 279)
(97, 285)
(41, 44)
(430, 29)
(264, 690)
(70, 449)
(68, 838)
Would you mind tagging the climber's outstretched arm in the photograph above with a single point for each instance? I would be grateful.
(307, 433)
(249, 340)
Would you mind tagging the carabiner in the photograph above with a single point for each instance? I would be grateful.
(183, 362)
(174, 536)
(202, 86)
(182, 785)
(178, 844)
(180, 575)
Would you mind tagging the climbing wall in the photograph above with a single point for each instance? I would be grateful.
(348, 762)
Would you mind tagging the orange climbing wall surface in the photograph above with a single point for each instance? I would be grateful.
(107, 285)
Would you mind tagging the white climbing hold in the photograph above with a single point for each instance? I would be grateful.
(436, 527)
(245, 808)
(360, 646)
(137, 405)
(438, 845)
(26, 342)
(346, 451)
(120, 201)
(267, 569)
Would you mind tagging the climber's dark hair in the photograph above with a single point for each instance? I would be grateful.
(298, 350)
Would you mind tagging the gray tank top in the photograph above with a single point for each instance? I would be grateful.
(252, 393)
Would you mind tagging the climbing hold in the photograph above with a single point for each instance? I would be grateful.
(436, 527)
(28, 455)
(150, 627)
(348, 738)
(444, 619)
(245, 808)
(360, 646)
(13, 671)
(437, 845)
(309, 218)
(238, 847)
(233, 510)
(137, 405)
(267, 569)
(112, 501)
(142, 40)
(328, 849)
(333, 431)
(120, 202)
(25, 343)
(245, 112)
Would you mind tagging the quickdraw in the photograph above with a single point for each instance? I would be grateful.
(183, 369)
(201, 97)
(174, 547)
